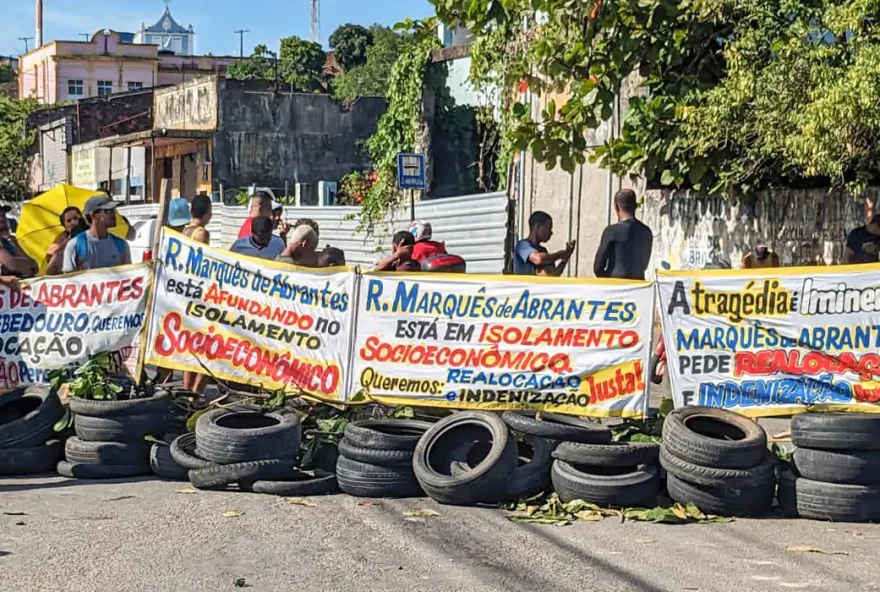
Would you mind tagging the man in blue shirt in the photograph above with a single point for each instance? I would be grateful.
(261, 243)
(531, 258)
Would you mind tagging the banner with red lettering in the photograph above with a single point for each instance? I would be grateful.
(251, 321)
(774, 341)
(59, 322)
(504, 342)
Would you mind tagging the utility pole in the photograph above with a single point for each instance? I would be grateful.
(39, 14)
(316, 20)
(240, 34)
(25, 39)
(86, 36)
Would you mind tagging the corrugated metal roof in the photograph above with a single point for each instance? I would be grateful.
(473, 226)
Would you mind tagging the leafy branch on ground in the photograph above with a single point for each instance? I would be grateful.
(649, 429)
(95, 379)
(552, 510)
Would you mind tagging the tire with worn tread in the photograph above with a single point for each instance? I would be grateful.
(32, 460)
(844, 467)
(164, 466)
(488, 448)
(375, 456)
(28, 416)
(300, 484)
(817, 500)
(368, 480)
(714, 437)
(630, 454)
(77, 450)
(554, 426)
(732, 499)
(158, 403)
(84, 471)
(712, 477)
(231, 437)
(183, 451)
(836, 431)
(606, 486)
(219, 476)
(386, 434)
(122, 428)
(532, 474)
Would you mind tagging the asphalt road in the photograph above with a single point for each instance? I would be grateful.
(66, 535)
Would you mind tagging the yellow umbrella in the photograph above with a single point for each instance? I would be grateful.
(40, 224)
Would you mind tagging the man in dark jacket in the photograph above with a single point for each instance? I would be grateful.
(625, 249)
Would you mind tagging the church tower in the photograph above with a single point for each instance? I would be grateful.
(168, 34)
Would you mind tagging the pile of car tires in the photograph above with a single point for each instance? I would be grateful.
(110, 440)
(248, 448)
(835, 472)
(718, 460)
(376, 458)
(27, 431)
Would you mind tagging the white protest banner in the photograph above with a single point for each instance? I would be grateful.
(774, 341)
(500, 342)
(57, 322)
(250, 320)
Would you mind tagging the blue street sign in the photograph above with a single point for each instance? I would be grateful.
(411, 171)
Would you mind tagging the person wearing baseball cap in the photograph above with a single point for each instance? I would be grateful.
(178, 214)
(96, 248)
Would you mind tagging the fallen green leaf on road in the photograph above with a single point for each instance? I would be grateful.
(425, 513)
(187, 490)
(232, 514)
(300, 501)
(808, 549)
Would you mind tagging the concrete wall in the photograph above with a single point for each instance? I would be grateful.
(53, 149)
(188, 106)
(268, 138)
(690, 229)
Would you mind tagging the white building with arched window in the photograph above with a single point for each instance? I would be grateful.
(168, 34)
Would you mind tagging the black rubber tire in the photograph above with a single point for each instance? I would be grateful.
(606, 486)
(225, 437)
(816, 500)
(844, 467)
(367, 480)
(183, 451)
(836, 431)
(158, 403)
(755, 499)
(375, 456)
(492, 464)
(83, 471)
(532, 474)
(123, 428)
(28, 416)
(724, 439)
(712, 477)
(106, 453)
(301, 484)
(219, 476)
(554, 426)
(630, 454)
(164, 466)
(32, 460)
(386, 434)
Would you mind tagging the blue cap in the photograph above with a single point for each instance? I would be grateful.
(178, 212)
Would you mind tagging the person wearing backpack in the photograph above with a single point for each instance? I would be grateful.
(96, 248)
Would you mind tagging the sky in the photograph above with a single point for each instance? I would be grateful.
(213, 20)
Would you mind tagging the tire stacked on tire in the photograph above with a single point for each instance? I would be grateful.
(718, 460)
(376, 458)
(254, 450)
(110, 440)
(588, 466)
(27, 428)
(835, 471)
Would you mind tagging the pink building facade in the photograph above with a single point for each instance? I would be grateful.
(70, 70)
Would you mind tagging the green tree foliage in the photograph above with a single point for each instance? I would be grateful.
(7, 74)
(300, 65)
(350, 43)
(736, 94)
(371, 78)
(13, 144)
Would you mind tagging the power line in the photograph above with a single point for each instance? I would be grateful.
(25, 39)
(240, 34)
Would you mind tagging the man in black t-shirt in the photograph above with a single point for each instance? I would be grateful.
(863, 243)
(625, 249)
